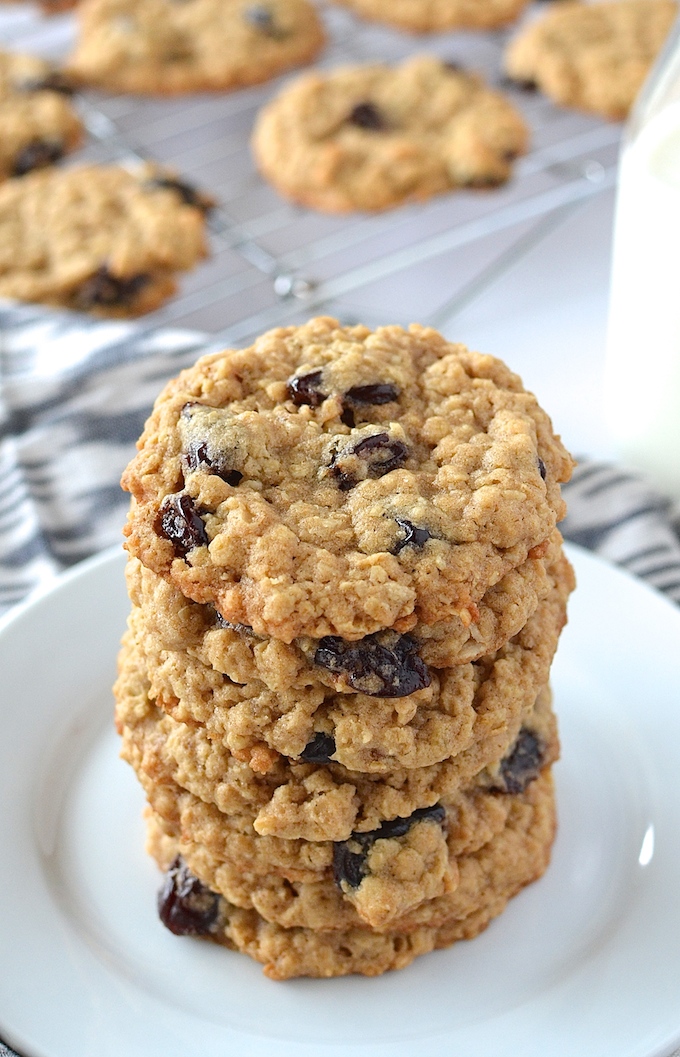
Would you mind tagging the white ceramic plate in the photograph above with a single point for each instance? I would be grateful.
(585, 963)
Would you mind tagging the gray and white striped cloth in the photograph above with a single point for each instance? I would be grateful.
(74, 395)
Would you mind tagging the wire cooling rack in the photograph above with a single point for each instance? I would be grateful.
(273, 262)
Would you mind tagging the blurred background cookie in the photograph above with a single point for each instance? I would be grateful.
(38, 122)
(374, 137)
(96, 238)
(592, 56)
(165, 47)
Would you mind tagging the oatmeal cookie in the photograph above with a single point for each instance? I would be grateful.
(165, 47)
(593, 56)
(97, 238)
(455, 711)
(340, 942)
(172, 622)
(38, 122)
(308, 801)
(334, 481)
(427, 16)
(374, 137)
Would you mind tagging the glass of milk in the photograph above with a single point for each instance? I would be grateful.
(642, 375)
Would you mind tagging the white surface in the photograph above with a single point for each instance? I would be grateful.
(547, 318)
(645, 307)
(585, 963)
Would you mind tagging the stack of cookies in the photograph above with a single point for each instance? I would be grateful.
(347, 588)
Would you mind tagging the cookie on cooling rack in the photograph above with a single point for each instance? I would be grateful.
(97, 238)
(593, 56)
(165, 47)
(374, 137)
(426, 16)
(38, 123)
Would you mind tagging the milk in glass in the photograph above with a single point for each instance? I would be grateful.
(642, 379)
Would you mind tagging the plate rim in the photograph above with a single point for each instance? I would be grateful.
(115, 555)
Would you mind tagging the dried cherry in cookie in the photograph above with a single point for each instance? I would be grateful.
(37, 155)
(320, 749)
(189, 194)
(381, 665)
(53, 81)
(375, 393)
(349, 857)
(372, 456)
(106, 290)
(523, 764)
(304, 389)
(179, 522)
(364, 395)
(414, 536)
(262, 17)
(185, 905)
(200, 454)
(368, 116)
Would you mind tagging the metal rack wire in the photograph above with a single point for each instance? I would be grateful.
(273, 262)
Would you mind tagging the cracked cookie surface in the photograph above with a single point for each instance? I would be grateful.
(38, 122)
(274, 482)
(592, 56)
(165, 47)
(373, 137)
(96, 238)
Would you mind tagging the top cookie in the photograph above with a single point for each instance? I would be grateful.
(592, 56)
(38, 124)
(335, 481)
(373, 137)
(169, 47)
(426, 16)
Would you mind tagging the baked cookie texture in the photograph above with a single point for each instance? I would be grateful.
(173, 622)
(374, 137)
(428, 16)
(38, 122)
(297, 800)
(332, 481)
(347, 590)
(486, 879)
(458, 709)
(164, 47)
(97, 238)
(592, 56)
